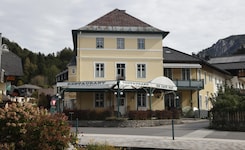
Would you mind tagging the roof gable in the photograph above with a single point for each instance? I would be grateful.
(118, 18)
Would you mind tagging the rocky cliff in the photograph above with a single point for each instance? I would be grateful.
(224, 47)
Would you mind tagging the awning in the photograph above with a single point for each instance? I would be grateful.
(182, 65)
(163, 83)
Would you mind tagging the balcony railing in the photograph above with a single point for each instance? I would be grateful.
(189, 84)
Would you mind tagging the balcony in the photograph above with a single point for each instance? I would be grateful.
(189, 84)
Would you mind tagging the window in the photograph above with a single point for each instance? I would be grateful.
(170, 102)
(210, 77)
(206, 102)
(99, 70)
(120, 43)
(141, 99)
(199, 76)
(186, 74)
(168, 73)
(121, 71)
(200, 102)
(141, 71)
(205, 77)
(99, 42)
(99, 99)
(141, 43)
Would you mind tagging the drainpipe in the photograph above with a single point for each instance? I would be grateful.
(198, 104)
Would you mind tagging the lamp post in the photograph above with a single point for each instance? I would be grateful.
(175, 98)
(58, 98)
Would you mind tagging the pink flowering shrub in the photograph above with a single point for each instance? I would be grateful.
(28, 127)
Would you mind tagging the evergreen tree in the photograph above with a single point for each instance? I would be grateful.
(39, 66)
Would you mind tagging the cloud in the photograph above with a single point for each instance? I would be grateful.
(45, 26)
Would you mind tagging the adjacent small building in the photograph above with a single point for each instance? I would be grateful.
(235, 65)
(11, 69)
(196, 79)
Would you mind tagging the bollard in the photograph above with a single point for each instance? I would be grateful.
(76, 126)
(173, 128)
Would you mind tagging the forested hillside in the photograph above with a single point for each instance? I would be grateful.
(40, 69)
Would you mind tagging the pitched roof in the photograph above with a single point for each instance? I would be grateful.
(118, 18)
(172, 55)
(228, 59)
(119, 21)
(231, 66)
(11, 64)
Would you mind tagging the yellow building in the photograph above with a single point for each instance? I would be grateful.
(118, 50)
(196, 80)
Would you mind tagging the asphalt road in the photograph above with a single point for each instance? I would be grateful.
(192, 129)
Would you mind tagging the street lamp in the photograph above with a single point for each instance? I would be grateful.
(118, 93)
(175, 98)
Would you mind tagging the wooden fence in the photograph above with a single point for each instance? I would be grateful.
(234, 121)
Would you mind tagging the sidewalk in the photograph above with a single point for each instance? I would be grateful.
(162, 142)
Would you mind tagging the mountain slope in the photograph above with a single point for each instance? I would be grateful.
(224, 47)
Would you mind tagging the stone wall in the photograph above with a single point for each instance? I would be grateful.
(125, 123)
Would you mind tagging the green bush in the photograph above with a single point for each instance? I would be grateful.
(228, 112)
(139, 115)
(89, 114)
(28, 127)
(97, 146)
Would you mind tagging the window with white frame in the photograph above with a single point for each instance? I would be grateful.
(99, 42)
(205, 77)
(141, 70)
(99, 99)
(186, 73)
(141, 43)
(141, 99)
(206, 102)
(121, 70)
(199, 76)
(200, 101)
(210, 77)
(99, 70)
(120, 43)
(168, 73)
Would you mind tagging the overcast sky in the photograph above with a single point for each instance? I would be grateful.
(45, 25)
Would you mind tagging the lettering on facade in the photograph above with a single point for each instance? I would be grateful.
(162, 86)
(86, 83)
(135, 84)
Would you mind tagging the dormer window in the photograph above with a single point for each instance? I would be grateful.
(99, 42)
